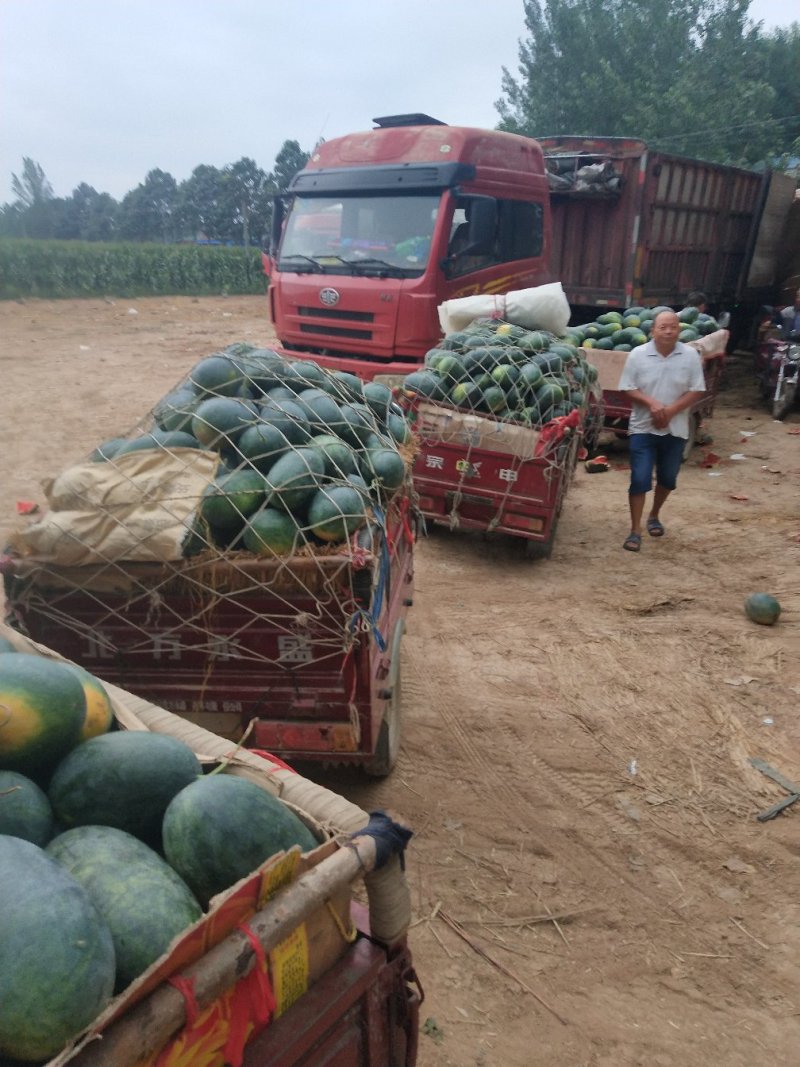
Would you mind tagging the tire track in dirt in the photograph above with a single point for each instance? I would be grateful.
(574, 848)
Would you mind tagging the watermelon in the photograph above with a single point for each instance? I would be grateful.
(398, 428)
(231, 499)
(262, 444)
(221, 420)
(338, 457)
(335, 512)
(424, 383)
(762, 608)
(384, 468)
(107, 450)
(220, 828)
(123, 779)
(308, 372)
(163, 439)
(44, 708)
(377, 397)
(24, 809)
(321, 410)
(286, 416)
(175, 410)
(271, 531)
(141, 899)
(293, 479)
(217, 374)
(348, 386)
(56, 954)
(99, 714)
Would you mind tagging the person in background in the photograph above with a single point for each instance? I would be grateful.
(663, 378)
(698, 300)
(790, 317)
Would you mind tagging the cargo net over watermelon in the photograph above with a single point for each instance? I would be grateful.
(495, 389)
(255, 480)
(508, 374)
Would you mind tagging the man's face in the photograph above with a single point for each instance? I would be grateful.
(666, 328)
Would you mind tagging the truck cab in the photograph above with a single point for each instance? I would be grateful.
(381, 227)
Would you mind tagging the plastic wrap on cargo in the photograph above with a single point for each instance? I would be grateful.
(544, 307)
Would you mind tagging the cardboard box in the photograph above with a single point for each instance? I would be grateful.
(475, 431)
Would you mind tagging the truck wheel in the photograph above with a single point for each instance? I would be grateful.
(691, 440)
(542, 549)
(785, 401)
(387, 748)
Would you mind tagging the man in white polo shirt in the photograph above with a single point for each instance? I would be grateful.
(663, 378)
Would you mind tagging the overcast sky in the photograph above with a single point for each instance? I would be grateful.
(103, 91)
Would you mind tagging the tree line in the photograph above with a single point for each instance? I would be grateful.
(229, 205)
(691, 77)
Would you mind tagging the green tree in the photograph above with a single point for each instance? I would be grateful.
(680, 74)
(779, 60)
(148, 212)
(245, 186)
(288, 162)
(31, 187)
(34, 195)
(200, 204)
(86, 215)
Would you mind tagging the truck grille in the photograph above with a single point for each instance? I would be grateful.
(337, 331)
(332, 313)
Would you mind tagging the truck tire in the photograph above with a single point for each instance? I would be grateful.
(784, 402)
(691, 440)
(542, 549)
(387, 748)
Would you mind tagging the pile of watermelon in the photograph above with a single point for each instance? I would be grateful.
(511, 374)
(620, 331)
(112, 843)
(304, 454)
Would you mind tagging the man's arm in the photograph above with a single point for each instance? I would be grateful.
(642, 398)
(684, 401)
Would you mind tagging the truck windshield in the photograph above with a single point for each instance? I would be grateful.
(388, 235)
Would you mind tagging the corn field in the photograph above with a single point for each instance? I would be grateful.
(77, 268)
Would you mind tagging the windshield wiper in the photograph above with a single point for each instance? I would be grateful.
(313, 267)
(370, 265)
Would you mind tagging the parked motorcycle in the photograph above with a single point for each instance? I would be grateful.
(778, 370)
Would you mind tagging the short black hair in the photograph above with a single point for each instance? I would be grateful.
(695, 298)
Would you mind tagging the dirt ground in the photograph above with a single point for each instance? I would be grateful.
(591, 887)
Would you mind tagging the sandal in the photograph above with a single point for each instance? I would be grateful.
(633, 542)
(654, 528)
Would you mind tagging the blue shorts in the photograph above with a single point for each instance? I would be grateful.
(653, 450)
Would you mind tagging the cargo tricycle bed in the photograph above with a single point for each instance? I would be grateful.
(473, 472)
(299, 655)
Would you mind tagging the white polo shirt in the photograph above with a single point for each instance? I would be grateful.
(664, 378)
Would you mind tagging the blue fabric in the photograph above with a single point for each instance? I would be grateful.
(390, 837)
(649, 451)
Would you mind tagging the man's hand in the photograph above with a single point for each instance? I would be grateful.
(658, 414)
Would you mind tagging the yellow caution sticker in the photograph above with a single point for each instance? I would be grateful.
(289, 968)
(278, 875)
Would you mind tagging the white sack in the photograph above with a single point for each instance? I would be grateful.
(543, 307)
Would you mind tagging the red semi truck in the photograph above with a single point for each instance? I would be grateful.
(365, 244)
(364, 247)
